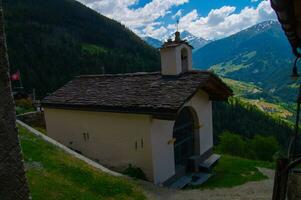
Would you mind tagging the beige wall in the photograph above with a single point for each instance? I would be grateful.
(112, 136)
(171, 60)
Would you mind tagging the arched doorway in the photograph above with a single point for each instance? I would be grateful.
(184, 132)
(184, 60)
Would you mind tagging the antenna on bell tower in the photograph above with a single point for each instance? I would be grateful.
(178, 22)
(177, 34)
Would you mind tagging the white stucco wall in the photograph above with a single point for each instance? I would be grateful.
(162, 132)
(171, 60)
(203, 107)
(112, 136)
(162, 152)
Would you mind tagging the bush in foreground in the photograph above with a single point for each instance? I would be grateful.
(259, 147)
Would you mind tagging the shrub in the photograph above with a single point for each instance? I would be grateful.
(23, 106)
(24, 103)
(134, 172)
(232, 144)
(264, 148)
(259, 147)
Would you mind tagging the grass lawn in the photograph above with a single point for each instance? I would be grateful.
(40, 129)
(55, 175)
(233, 171)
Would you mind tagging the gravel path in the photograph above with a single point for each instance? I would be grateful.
(261, 190)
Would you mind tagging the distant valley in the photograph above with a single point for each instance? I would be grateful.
(259, 55)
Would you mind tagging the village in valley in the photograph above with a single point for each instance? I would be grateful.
(167, 100)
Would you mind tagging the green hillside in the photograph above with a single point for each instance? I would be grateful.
(53, 41)
(55, 175)
(264, 101)
(260, 55)
(247, 120)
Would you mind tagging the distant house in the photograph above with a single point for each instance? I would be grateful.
(160, 122)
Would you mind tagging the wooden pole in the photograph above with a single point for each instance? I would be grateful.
(280, 180)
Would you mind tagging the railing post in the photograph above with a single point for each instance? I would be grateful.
(280, 180)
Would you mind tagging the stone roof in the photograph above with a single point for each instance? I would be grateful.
(148, 93)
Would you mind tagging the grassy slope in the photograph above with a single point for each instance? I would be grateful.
(251, 93)
(233, 171)
(54, 175)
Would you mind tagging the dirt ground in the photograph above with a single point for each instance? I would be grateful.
(261, 190)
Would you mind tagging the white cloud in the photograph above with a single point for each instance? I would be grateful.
(160, 32)
(145, 21)
(224, 21)
(133, 18)
(178, 14)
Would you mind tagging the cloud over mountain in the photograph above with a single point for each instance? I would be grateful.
(225, 21)
(150, 19)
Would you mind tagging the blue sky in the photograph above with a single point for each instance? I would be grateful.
(210, 19)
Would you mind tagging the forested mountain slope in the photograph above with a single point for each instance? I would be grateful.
(54, 40)
(260, 55)
(247, 120)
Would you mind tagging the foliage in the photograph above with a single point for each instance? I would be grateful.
(247, 120)
(24, 106)
(134, 172)
(55, 175)
(21, 110)
(258, 148)
(233, 171)
(264, 148)
(232, 144)
(24, 103)
(50, 42)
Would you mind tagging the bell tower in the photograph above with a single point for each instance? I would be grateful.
(176, 56)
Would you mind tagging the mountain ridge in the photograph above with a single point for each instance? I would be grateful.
(50, 42)
(260, 54)
(196, 42)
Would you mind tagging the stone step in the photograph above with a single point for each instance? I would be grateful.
(209, 162)
(199, 178)
(181, 182)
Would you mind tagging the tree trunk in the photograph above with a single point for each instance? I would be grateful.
(13, 183)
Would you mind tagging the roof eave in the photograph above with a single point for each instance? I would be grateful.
(162, 113)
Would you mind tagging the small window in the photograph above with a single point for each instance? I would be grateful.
(184, 60)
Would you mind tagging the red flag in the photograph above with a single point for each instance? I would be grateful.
(16, 76)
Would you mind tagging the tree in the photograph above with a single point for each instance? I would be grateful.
(264, 148)
(232, 144)
(13, 183)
